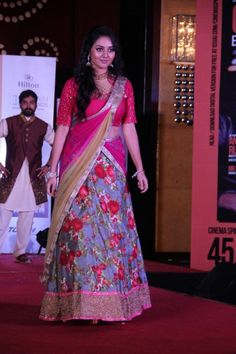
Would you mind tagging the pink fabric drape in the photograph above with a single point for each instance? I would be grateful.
(78, 139)
(116, 148)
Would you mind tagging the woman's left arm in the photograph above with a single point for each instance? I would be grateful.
(132, 142)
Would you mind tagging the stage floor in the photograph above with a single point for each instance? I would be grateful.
(177, 323)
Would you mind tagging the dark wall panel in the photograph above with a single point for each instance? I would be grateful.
(49, 29)
(92, 13)
(139, 30)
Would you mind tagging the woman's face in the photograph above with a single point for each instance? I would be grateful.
(102, 54)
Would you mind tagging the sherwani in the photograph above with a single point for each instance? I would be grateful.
(23, 192)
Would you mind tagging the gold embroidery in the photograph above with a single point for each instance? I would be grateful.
(107, 306)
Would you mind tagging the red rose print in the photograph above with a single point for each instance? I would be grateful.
(66, 225)
(131, 223)
(100, 172)
(63, 258)
(135, 252)
(103, 206)
(117, 238)
(97, 270)
(113, 206)
(102, 266)
(112, 243)
(78, 253)
(134, 283)
(71, 256)
(110, 171)
(121, 273)
(76, 224)
(83, 192)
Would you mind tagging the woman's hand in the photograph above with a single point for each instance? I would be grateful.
(131, 139)
(142, 181)
(51, 186)
(51, 176)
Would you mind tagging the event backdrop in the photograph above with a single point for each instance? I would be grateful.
(214, 146)
(18, 73)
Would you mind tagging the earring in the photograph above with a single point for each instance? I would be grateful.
(111, 65)
(88, 61)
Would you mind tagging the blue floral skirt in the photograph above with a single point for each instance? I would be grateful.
(97, 270)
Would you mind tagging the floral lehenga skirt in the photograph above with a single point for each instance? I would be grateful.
(97, 270)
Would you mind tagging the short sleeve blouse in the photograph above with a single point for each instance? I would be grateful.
(67, 107)
(129, 115)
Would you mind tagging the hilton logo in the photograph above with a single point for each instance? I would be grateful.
(28, 82)
(29, 77)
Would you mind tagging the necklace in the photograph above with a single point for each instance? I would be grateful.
(103, 89)
(101, 76)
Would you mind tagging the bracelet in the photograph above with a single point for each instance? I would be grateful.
(51, 174)
(136, 173)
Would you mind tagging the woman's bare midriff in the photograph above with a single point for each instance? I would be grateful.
(113, 133)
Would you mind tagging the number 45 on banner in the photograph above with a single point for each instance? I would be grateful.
(222, 250)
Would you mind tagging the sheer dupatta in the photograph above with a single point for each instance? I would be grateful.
(83, 146)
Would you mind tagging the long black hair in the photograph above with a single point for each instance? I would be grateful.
(83, 74)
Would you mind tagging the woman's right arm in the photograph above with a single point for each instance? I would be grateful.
(65, 112)
(59, 141)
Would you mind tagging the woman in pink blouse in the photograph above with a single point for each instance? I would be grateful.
(93, 264)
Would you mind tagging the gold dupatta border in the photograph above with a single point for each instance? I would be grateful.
(75, 176)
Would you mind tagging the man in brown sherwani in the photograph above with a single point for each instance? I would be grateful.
(22, 182)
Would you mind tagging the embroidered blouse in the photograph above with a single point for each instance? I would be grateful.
(67, 108)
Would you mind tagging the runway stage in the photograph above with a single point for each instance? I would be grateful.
(177, 323)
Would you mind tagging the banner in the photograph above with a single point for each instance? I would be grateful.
(213, 238)
(19, 73)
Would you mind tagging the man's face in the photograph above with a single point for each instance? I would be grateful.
(28, 106)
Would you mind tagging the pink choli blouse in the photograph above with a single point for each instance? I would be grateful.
(67, 108)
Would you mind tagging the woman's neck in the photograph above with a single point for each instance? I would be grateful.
(101, 75)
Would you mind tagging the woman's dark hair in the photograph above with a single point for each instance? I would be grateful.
(84, 74)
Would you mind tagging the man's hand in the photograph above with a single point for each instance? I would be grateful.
(4, 171)
(42, 171)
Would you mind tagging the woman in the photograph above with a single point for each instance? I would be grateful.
(93, 263)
